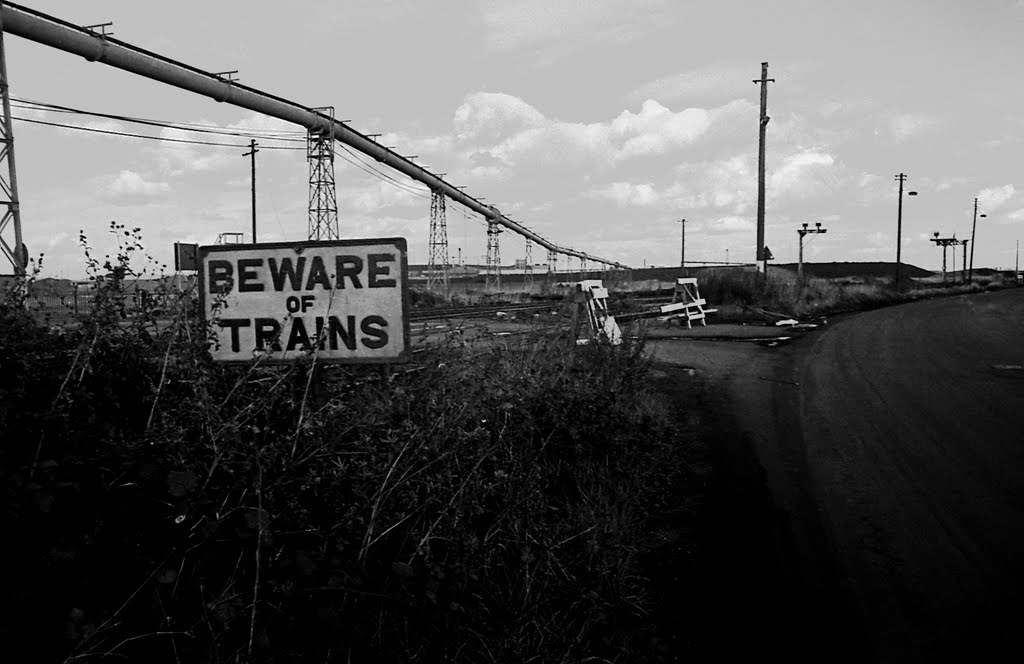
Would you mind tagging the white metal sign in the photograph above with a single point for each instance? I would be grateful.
(347, 300)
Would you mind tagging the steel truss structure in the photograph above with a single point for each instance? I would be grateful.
(13, 248)
(323, 203)
(438, 265)
(493, 280)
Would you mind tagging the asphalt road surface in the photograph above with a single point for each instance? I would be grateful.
(890, 447)
(913, 422)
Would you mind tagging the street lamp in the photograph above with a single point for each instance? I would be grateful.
(901, 177)
(974, 226)
(802, 232)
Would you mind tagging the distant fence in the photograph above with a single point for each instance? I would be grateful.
(70, 302)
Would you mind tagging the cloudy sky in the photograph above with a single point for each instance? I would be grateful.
(596, 123)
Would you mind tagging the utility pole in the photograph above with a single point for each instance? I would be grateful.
(682, 248)
(901, 178)
(802, 232)
(762, 263)
(974, 226)
(963, 267)
(252, 153)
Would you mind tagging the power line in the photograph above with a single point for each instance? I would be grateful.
(354, 158)
(131, 135)
(183, 126)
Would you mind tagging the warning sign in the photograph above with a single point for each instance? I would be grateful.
(346, 300)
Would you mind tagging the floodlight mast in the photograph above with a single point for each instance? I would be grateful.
(802, 232)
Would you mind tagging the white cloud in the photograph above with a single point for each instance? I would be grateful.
(568, 24)
(880, 239)
(907, 125)
(727, 183)
(993, 197)
(176, 158)
(710, 81)
(655, 129)
(378, 195)
(518, 131)
(805, 174)
(179, 158)
(492, 114)
(724, 225)
(627, 194)
(1016, 215)
(129, 187)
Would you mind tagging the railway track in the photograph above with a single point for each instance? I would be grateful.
(478, 311)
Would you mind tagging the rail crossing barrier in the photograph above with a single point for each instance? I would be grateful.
(592, 310)
(591, 299)
(687, 304)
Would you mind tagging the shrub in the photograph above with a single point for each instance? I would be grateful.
(485, 506)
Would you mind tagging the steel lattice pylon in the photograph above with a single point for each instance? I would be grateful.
(528, 268)
(437, 264)
(552, 264)
(493, 281)
(13, 248)
(323, 204)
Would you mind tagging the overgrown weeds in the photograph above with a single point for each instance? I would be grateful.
(736, 291)
(158, 507)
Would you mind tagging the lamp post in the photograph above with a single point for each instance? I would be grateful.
(901, 177)
(802, 232)
(974, 226)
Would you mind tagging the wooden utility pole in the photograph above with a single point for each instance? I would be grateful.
(682, 248)
(252, 152)
(974, 227)
(901, 178)
(963, 270)
(762, 264)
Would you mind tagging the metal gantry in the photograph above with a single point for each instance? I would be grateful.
(11, 244)
(946, 242)
(437, 263)
(323, 203)
(493, 279)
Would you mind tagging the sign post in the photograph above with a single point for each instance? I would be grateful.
(345, 300)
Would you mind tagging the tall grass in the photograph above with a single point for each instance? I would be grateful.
(158, 507)
(736, 291)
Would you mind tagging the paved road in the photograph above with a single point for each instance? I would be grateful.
(890, 447)
(913, 423)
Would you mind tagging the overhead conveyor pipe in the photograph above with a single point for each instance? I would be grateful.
(50, 31)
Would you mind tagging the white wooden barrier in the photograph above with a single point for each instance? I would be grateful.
(592, 307)
(687, 304)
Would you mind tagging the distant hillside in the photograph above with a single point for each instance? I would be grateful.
(865, 270)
